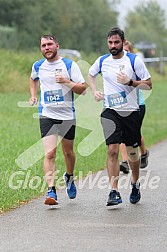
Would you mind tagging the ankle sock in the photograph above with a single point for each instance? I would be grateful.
(68, 176)
(52, 188)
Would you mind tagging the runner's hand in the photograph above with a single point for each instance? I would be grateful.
(98, 96)
(60, 79)
(122, 78)
(33, 101)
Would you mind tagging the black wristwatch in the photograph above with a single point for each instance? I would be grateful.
(130, 83)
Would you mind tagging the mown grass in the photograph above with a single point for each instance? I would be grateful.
(19, 131)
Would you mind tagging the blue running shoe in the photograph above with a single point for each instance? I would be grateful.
(135, 194)
(51, 198)
(114, 198)
(70, 186)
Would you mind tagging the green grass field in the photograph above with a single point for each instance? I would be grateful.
(19, 132)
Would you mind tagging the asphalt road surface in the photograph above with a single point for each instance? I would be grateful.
(86, 224)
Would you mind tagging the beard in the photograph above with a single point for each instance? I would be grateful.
(50, 55)
(115, 51)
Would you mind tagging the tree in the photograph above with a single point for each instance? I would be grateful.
(147, 23)
(78, 24)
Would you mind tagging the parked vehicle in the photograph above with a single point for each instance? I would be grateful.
(71, 54)
(148, 49)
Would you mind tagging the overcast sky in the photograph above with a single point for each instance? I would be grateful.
(125, 6)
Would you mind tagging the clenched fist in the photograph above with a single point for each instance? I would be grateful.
(122, 78)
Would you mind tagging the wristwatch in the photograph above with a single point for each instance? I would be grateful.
(130, 83)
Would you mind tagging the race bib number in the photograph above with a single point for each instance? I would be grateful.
(53, 97)
(117, 100)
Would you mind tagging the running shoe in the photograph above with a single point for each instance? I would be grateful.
(124, 167)
(135, 194)
(70, 186)
(51, 198)
(144, 160)
(114, 198)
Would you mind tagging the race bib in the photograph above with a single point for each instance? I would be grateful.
(117, 100)
(53, 97)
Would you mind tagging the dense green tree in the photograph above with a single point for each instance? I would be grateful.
(10, 12)
(147, 22)
(78, 24)
(99, 20)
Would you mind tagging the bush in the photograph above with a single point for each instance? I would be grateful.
(8, 37)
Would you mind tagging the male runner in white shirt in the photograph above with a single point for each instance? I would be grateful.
(59, 79)
(120, 116)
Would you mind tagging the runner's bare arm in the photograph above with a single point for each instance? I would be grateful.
(78, 88)
(34, 84)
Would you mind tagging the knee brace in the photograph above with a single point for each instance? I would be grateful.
(133, 153)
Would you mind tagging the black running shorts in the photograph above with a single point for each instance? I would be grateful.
(142, 112)
(121, 127)
(63, 128)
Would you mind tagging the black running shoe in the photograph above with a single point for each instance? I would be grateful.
(124, 167)
(135, 194)
(114, 198)
(144, 160)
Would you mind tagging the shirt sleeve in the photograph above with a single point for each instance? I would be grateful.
(140, 69)
(95, 68)
(76, 74)
(34, 72)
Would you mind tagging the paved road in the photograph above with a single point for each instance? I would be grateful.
(85, 224)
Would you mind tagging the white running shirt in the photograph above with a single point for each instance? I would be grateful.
(118, 96)
(56, 100)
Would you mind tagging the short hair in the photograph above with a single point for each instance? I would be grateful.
(50, 37)
(115, 31)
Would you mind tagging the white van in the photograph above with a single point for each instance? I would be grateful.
(71, 54)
